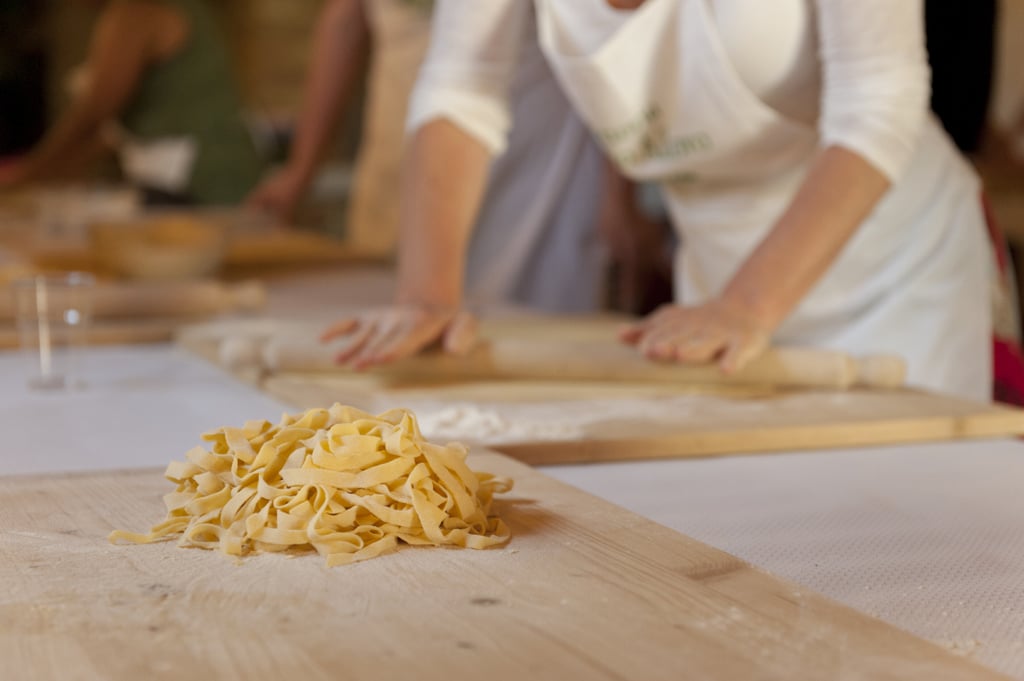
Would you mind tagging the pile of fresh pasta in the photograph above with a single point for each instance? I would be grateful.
(339, 480)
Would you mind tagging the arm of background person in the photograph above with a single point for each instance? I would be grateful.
(458, 120)
(875, 101)
(340, 48)
(127, 37)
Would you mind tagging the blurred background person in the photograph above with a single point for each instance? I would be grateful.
(961, 39)
(962, 48)
(536, 241)
(157, 85)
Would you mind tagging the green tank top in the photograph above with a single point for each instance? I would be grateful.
(193, 94)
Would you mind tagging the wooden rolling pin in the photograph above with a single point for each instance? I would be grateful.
(185, 299)
(111, 333)
(580, 360)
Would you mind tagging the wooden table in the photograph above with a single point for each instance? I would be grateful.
(585, 590)
(78, 612)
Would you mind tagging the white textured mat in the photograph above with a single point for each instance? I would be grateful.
(929, 537)
(142, 406)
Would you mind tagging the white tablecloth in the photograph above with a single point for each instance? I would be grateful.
(141, 406)
(927, 537)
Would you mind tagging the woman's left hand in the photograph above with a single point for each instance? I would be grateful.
(715, 331)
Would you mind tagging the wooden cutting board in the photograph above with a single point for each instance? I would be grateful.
(585, 590)
(150, 312)
(145, 312)
(663, 423)
(270, 248)
(253, 243)
(121, 332)
(712, 419)
(186, 300)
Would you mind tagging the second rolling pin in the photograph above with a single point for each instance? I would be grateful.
(185, 299)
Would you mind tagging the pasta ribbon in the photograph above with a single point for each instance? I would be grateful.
(349, 484)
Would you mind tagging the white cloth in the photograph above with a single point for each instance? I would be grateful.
(164, 164)
(670, 101)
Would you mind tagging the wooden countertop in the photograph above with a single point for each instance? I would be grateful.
(585, 590)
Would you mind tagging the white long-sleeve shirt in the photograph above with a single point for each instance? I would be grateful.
(857, 69)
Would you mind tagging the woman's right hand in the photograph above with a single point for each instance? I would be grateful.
(279, 194)
(442, 183)
(392, 333)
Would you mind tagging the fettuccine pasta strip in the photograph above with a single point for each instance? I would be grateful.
(346, 483)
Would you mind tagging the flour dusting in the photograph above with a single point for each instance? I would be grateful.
(471, 422)
(563, 420)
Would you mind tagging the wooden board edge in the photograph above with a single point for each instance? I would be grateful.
(754, 441)
(147, 332)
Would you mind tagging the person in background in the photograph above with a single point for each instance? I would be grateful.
(535, 241)
(157, 85)
(341, 45)
(961, 40)
(817, 201)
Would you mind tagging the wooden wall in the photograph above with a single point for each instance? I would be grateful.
(271, 42)
(1009, 86)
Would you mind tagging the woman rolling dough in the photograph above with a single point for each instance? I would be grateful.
(817, 201)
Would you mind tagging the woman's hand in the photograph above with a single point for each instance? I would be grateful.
(279, 194)
(392, 333)
(838, 193)
(715, 331)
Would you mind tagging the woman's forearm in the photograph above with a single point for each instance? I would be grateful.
(340, 50)
(123, 43)
(444, 175)
(840, 191)
(72, 137)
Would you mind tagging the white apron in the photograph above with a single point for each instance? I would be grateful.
(163, 164)
(667, 104)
